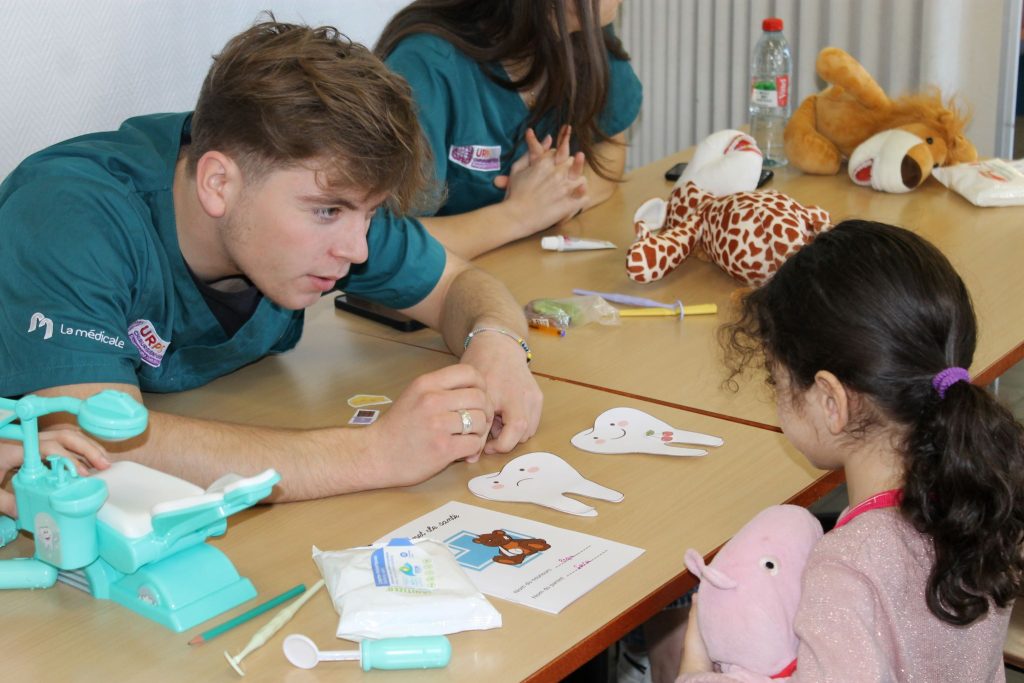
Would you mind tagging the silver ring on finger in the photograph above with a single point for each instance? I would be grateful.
(467, 420)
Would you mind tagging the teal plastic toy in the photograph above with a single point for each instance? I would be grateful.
(412, 652)
(130, 533)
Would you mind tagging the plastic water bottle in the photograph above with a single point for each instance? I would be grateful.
(770, 73)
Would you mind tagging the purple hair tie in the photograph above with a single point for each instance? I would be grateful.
(947, 378)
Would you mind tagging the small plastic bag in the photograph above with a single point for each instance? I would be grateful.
(403, 588)
(993, 182)
(571, 311)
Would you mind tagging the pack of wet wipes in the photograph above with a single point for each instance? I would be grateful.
(992, 182)
(402, 588)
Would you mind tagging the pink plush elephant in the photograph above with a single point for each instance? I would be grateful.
(749, 593)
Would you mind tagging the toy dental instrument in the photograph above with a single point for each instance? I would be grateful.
(626, 299)
(271, 627)
(675, 312)
(413, 652)
(209, 635)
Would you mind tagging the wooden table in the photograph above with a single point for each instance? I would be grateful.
(679, 362)
(670, 504)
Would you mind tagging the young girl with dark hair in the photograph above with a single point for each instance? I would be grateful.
(867, 334)
(524, 103)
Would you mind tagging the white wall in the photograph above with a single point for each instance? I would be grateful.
(971, 47)
(71, 67)
(693, 57)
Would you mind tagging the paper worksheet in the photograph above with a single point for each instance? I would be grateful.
(517, 559)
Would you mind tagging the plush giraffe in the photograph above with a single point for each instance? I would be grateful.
(747, 233)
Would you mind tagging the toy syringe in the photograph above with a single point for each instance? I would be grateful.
(412, 652)
(271, 627)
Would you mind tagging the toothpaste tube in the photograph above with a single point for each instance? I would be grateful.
(564, 243)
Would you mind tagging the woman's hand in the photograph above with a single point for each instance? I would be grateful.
(546, 186)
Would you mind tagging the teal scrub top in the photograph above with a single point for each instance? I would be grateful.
(473, 124)
(93, 286)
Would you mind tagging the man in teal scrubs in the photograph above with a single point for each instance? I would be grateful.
(184, 246)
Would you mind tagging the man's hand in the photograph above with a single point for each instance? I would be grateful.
(514, 392)
(468, 299)
(422, 433)
(71, 443)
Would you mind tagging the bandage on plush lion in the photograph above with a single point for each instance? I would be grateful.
(715, 211)
(748, 595)
(830, 126)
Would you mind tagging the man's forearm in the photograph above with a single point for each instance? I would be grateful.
(312, 463)
(476, 299)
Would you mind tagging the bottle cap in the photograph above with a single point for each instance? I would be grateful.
(771, 24)
(551, 242)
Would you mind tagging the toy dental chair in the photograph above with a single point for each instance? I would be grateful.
(129, 534)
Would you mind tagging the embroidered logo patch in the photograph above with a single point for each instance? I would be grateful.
(476, 157)
(40, 321)
(150, 345)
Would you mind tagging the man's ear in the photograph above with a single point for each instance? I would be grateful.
(218, 183)
(834, 401)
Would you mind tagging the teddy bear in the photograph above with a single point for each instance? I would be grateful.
(714, 208)
(830, 126)
(749, 592)
(511, 550)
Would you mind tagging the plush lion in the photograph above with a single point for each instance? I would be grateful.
(828, 127)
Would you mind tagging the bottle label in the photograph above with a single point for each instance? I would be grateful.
(774, 93)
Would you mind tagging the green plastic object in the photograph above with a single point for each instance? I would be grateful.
(8, 530)
(414, 652)
(411, 652)
(150, 554)
(113, 416)
(562, 311)
(27, 572)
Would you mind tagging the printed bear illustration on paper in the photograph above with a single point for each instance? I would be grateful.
(511, 550)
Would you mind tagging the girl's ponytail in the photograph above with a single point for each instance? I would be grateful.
(964, 485)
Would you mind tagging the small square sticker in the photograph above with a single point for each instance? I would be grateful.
(364, 416)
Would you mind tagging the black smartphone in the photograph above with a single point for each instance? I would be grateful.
(677, 170)
(377, 313)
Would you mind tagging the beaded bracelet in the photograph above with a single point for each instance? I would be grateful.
(512, 335)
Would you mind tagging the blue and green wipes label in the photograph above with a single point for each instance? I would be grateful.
(401, 564)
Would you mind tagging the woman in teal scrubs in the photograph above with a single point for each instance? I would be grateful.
(525, 106)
